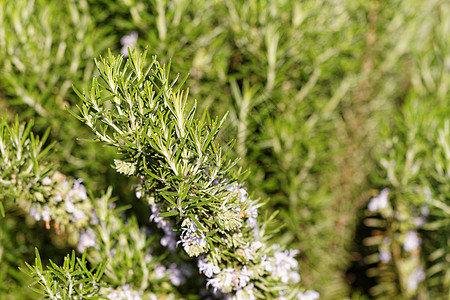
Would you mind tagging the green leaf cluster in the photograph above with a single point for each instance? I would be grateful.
(72, 280)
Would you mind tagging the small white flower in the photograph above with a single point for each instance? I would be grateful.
(70, 207)
(242, 192)
(208, 268)
(154, 215)
(87, 239)
(46, 181)
(128, 41)
(58, 197)
(252, 213)
(380, 201)
(246, 293)
(77, 215)
(256, 245)
(248, 251)
(78, 190)
(193, 240)
(266, 263)
(46, 213)
(224, 281)
(175, 275)
(412, 241)
(148, 258)
(215, 283)
(419, 221)
(160, 271)
(283, 262)
(294, 277)
(169, 239)
(34, 212)
(244, 277)
(385, 256)
(425, 210)
(228, 278)
(308, 295)
(139, 194)
(124, 293)
(417, 276)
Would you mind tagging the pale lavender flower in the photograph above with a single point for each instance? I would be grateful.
(242, 192)
(77, 215)
(266, 263)
(294, 276)
(46, 213)
(252, 213)
(412, 241)
(308, 295)
(70, 207)
(148, 258)
(78, 190)
(87, 239)
(244, 277)
(64, 183)
(128, 41)
(124, 293)
(419, 221)
(138, 194)
(154, 215)
(169, 238)
(385, 256)
(34, 212)
(58, 197)
(194, 241)
(282, 294)
(282, 263)
(224, 281)
(176, 275)
(249, 249)
(380, 201)
(425, 210)
(256, 245)
(46, 180)
(216, 284)
(160, 271)
(208, 268)
(94, 218)
(246, 293)
(417, 276)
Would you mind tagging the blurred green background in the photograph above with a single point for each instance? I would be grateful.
(329, 101)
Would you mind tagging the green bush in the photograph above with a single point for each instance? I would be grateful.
(327, 100)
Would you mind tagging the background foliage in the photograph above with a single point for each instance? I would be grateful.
(329, 101)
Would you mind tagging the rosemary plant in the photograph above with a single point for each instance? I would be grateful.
(186, 177)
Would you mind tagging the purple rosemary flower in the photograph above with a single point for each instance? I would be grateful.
(308, 295)
(208, 268)
(417, 276)
(87, 239)
(128, 41)
(193, 240)
(412, 241)
(380, 201)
